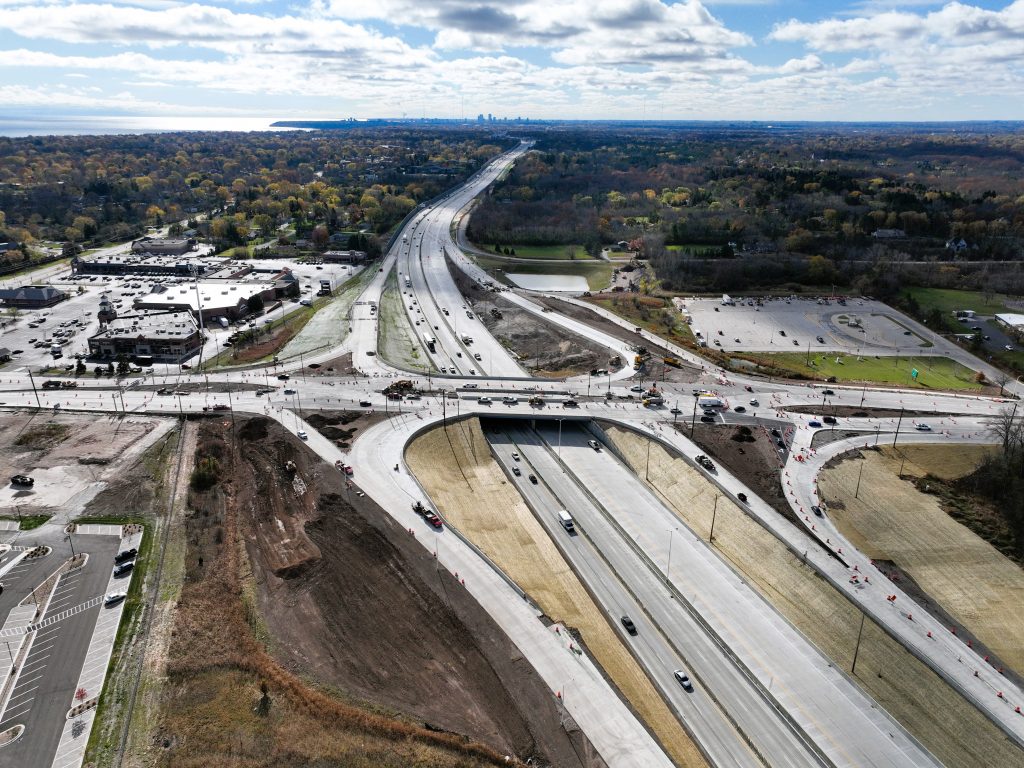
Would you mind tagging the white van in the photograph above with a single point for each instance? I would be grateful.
(566, 520)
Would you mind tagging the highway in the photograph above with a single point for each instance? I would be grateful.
(763, 695)
(747, 733)
(822, 705)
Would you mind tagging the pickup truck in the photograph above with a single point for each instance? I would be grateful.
(705, 462)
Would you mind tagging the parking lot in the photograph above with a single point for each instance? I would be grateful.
(31, 335)
(793, 323)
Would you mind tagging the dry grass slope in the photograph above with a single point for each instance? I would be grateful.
(471, 491)
(967, 576)
(953, 730)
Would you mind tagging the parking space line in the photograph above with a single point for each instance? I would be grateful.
(34, 687)
(37, 661)
(9, 717)
(45, 647)
(26, 682)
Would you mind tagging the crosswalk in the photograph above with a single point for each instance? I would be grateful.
(49, 620)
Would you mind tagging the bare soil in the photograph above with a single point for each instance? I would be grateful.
(543, 348)
(863, 413)
(344, 596)
(654, 368)
(757, 463)
(72, 457)
(341, 426)
(948, 726)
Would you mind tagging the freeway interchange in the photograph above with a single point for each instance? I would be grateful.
(762, 694)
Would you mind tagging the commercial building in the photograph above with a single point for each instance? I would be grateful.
(163, 246)
(215, 298)
(1012, 323)
(150, 266)
(32, 296)
(344, 257)
(165, 337)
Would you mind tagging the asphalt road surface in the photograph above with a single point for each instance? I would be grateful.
(46, 683)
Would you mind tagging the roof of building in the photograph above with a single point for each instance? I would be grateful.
(213, 295)
(32, 293)
(151, 325)
(149, 260)
(1011, 319)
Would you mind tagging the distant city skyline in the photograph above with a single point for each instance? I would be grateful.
(860, 60)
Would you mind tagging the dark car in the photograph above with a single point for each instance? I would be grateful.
(533, 479)
(781, 443)
(23, 480)
(365, 403)
(628, 624)
(776, 433)
(827, 392)
(740, 409)
(128, 554)
(708, 419)
(829, 419)
(816, 510)
(283, 377)
(742, 497)
(123, 569)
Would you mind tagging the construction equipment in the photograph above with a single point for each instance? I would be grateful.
(672, 361)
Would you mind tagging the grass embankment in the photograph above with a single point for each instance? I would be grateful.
(227, 702)
(270, 339)
(472, 493)
(398, 339)
(554, 252)
(28, 522)
(948, 300)
(933, 372)
(651, 313)
(951, 728)
(598, 274)
(892, 520)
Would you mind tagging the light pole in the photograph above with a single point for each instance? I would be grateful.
(559, 438)
(693, 422)
(856, 650)
(897, 428)
(34, 390)
(714, 514)
(668, 566)
(860, 474)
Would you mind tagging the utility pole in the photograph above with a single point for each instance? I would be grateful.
(897, 428)
(860, 474)
(693, 422)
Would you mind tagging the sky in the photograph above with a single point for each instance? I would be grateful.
(542, 59)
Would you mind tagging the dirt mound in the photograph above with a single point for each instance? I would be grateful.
(254, 429)
(326, 423)
(372, 616)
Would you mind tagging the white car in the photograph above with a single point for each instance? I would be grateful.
(302, 434)
(754, 402)
(636, 388)
(922, 427)
(684, 679)
(114, 598)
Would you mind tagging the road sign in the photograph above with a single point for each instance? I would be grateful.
(913, 373)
